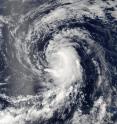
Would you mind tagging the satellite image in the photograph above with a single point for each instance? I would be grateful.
(58, 61)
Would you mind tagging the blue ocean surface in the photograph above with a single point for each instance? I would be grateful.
(58, 62)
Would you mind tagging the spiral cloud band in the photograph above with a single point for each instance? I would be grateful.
(58, 62)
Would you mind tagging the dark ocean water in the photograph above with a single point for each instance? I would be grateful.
(32, 36)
